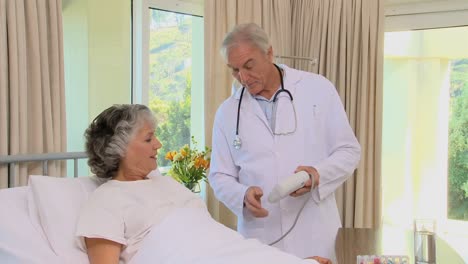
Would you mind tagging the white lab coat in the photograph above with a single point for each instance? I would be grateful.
(323, 139)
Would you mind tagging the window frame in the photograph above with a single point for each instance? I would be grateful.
(423, 16)
(140, 39)
(426, 15)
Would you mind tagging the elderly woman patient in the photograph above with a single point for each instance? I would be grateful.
(122, 147)
(135, 201)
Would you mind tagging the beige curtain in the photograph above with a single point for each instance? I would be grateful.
(345, 36)
(347, 39)
(32, 94)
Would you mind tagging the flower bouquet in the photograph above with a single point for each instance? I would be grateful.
(189, 165)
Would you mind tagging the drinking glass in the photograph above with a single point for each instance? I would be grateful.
(425, 241)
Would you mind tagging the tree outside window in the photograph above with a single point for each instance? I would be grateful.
(458, 142)
(170, 78)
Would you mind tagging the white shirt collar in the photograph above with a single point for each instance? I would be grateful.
(290, 78)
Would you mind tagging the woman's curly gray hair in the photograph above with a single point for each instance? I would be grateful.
(107, 137)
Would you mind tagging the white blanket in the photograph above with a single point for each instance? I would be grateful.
(190, 235)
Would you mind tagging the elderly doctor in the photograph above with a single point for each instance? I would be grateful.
(280, 122)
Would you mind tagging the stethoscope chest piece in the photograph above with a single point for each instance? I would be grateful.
(237, 143)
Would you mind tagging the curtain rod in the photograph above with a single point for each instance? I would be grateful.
(312, 60)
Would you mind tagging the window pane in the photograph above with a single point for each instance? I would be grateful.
(425, 125)
(170, 69)
(458, 142)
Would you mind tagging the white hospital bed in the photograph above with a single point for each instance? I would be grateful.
(37, 225)
(37, 221)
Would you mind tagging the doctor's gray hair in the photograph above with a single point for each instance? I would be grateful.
(108, 135)
(249, 32)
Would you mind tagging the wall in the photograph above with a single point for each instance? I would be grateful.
(75, 43)
(97, 51)
(97, 43)
(109, 23)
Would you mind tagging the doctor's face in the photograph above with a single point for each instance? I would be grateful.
(252, 68)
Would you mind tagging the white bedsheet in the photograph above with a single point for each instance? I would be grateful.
(185, 236)
(190, 235)
(20, 241)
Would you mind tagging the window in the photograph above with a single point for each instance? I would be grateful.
(425, 125)
(458, 141)
(168, 71)
(425, 119)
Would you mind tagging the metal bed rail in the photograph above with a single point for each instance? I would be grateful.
(13, 160)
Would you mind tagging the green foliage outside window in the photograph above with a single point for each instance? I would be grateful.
(458, 142)
(174, 130)
(170, 79)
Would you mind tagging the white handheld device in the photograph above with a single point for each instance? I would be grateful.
(288, 185)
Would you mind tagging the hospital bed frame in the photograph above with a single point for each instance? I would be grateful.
(13, 160)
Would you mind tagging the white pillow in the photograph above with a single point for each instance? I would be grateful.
(58, 202)
(21, 242)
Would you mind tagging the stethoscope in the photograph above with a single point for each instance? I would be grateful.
(237, 143)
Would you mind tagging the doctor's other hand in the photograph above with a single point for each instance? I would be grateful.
(253, 203)
(308, 185)
(321, 260)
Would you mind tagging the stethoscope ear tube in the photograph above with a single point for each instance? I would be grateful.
(237, 143)
(282, 86)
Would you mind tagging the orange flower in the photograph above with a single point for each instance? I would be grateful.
(202, 163)
(199, 162)
(170, 155)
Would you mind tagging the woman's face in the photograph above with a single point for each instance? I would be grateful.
(140, 158)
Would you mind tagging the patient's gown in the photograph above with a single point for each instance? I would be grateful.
(125, 211)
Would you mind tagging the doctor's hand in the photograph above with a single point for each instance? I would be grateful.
(253, 203)
(308, 185)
